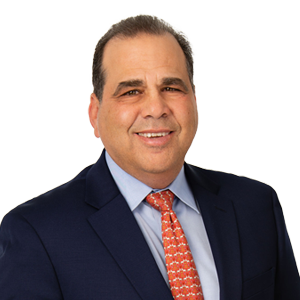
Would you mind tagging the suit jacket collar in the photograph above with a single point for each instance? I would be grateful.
(221, 227)
(115, 225)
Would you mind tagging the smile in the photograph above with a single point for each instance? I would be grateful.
(154, 134)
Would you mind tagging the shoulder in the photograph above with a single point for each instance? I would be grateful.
(236, 188)
(255, 204)
(55, 204)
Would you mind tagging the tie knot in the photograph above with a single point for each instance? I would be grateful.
(161, 200)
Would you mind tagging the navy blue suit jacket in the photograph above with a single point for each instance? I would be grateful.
(81, 241)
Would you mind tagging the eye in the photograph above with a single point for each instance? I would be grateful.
(131, 93)
(169, 89)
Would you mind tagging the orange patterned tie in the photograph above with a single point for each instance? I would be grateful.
(183, 276)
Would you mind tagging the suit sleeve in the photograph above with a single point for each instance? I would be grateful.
(26, 271)
(287, 285)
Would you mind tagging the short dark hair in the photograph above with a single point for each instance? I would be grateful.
(130, 28)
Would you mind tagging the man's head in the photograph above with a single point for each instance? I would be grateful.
(130, 28)
(147, 117)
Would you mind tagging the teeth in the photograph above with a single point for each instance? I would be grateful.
(152, 135)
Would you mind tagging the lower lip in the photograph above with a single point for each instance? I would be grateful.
(157, 141)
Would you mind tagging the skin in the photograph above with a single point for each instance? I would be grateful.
(147, 90)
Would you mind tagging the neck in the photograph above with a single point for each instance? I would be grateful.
(156, 179)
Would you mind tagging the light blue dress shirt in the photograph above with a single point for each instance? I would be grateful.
(188, 214)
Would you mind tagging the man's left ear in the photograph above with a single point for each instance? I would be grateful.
(93, 113)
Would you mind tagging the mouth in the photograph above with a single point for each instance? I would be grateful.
(152, 135)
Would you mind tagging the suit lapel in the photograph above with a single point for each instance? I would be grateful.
(116, 226)
(221, 227)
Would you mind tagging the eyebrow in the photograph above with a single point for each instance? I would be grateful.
(128, 83)
(138, 83)
(175, 81)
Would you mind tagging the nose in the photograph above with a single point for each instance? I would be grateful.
(155, 106)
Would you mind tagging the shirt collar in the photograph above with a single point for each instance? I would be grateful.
(135, 191)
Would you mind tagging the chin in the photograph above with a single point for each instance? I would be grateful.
(159, 166)
(155, 170)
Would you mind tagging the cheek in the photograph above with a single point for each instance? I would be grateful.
(186, 115)
(116, 118)
(125, 117)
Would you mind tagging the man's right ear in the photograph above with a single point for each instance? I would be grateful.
(93, 113)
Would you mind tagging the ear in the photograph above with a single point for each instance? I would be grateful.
(93, 114)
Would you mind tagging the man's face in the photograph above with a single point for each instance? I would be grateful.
(147, 117)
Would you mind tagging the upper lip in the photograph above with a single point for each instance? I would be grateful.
(154, 131)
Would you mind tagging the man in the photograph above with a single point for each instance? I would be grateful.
(99, 235)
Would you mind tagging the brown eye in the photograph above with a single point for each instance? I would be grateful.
(169, 89)
(131, 93)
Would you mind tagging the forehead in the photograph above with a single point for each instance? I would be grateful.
(144, 55)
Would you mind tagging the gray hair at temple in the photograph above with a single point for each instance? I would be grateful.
(131, 27)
